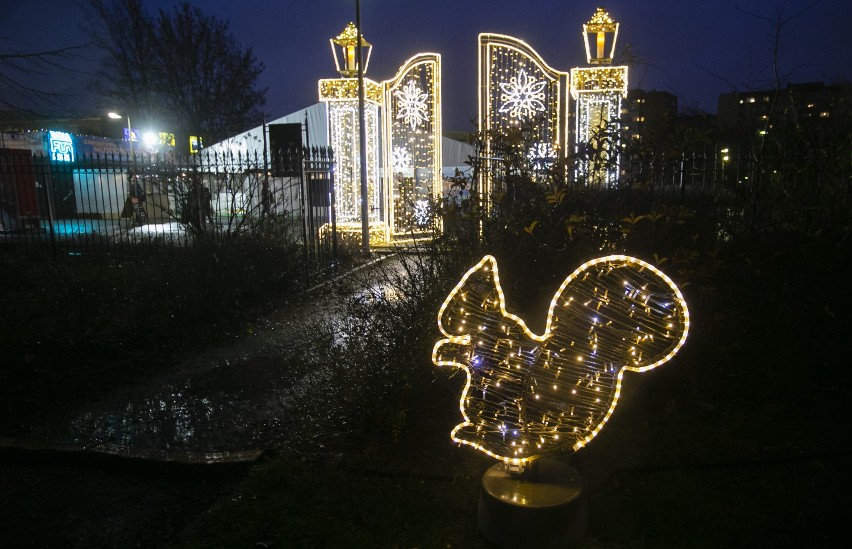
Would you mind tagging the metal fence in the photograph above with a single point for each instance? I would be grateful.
(106, 203)
(739, 193)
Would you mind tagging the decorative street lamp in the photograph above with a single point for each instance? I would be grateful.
(344, 48)
(116, 116)
(354, 138)
(598, 93)
(602, 29)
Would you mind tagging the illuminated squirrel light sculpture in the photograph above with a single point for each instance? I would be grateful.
(528, 395)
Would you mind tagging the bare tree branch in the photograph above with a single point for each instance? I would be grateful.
(17, 69)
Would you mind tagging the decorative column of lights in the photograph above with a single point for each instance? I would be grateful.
(529, 395)
(516, 87)
(598, 93)
(412, 144)
(341, 98)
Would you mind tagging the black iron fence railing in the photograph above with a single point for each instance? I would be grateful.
(740, 193)
(103, 203)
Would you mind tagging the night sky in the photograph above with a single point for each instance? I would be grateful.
(693, 49)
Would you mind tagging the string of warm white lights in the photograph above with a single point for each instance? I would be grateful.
(598, 92)
(528, 395)
(343, 125)
(412, 130)
(518, 88)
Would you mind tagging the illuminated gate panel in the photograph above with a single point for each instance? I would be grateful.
(412, 144)
(519, 90)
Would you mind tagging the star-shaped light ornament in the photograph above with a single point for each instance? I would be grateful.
(523, 95)
(412, 104)
(530, 395)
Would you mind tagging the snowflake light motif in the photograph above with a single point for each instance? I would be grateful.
(412, 104)
(523, 95)
(541, 154)
(421, 213)
(400, 159)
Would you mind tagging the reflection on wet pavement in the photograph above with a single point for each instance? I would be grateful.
(271, 391)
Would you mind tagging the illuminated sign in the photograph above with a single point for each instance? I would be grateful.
(61, 146)
(132, 135)
(194, 144)
(167, 139)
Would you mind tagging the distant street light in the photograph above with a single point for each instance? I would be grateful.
(116, 116)
(150, 139)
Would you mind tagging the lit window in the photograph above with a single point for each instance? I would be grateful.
(824, 114)
(810, 105)
(751, 99)
(766, 99)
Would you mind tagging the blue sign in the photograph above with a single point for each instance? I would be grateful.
(61, 146)
(132, 135)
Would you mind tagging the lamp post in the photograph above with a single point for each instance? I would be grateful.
(598, 92)
(353, 108)
(116, 116)
(352, 46)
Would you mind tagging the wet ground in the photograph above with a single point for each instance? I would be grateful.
(255, 393)
(141, 460)
(729, 446)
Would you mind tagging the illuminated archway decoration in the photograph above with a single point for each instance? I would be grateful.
(412, 143)
(529, 395)
(516, 87)
(598, 93)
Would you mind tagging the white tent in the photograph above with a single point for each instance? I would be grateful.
(314, 120)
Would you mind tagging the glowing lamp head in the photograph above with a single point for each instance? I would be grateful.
(344, 47)
(600, 35)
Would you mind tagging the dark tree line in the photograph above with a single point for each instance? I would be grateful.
(180, 70)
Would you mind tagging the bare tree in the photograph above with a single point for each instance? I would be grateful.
(124, 31)
(183, 67)
(207, 80)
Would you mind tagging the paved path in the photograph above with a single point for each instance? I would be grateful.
(219, 404)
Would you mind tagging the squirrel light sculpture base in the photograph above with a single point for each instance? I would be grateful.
(544, 506)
